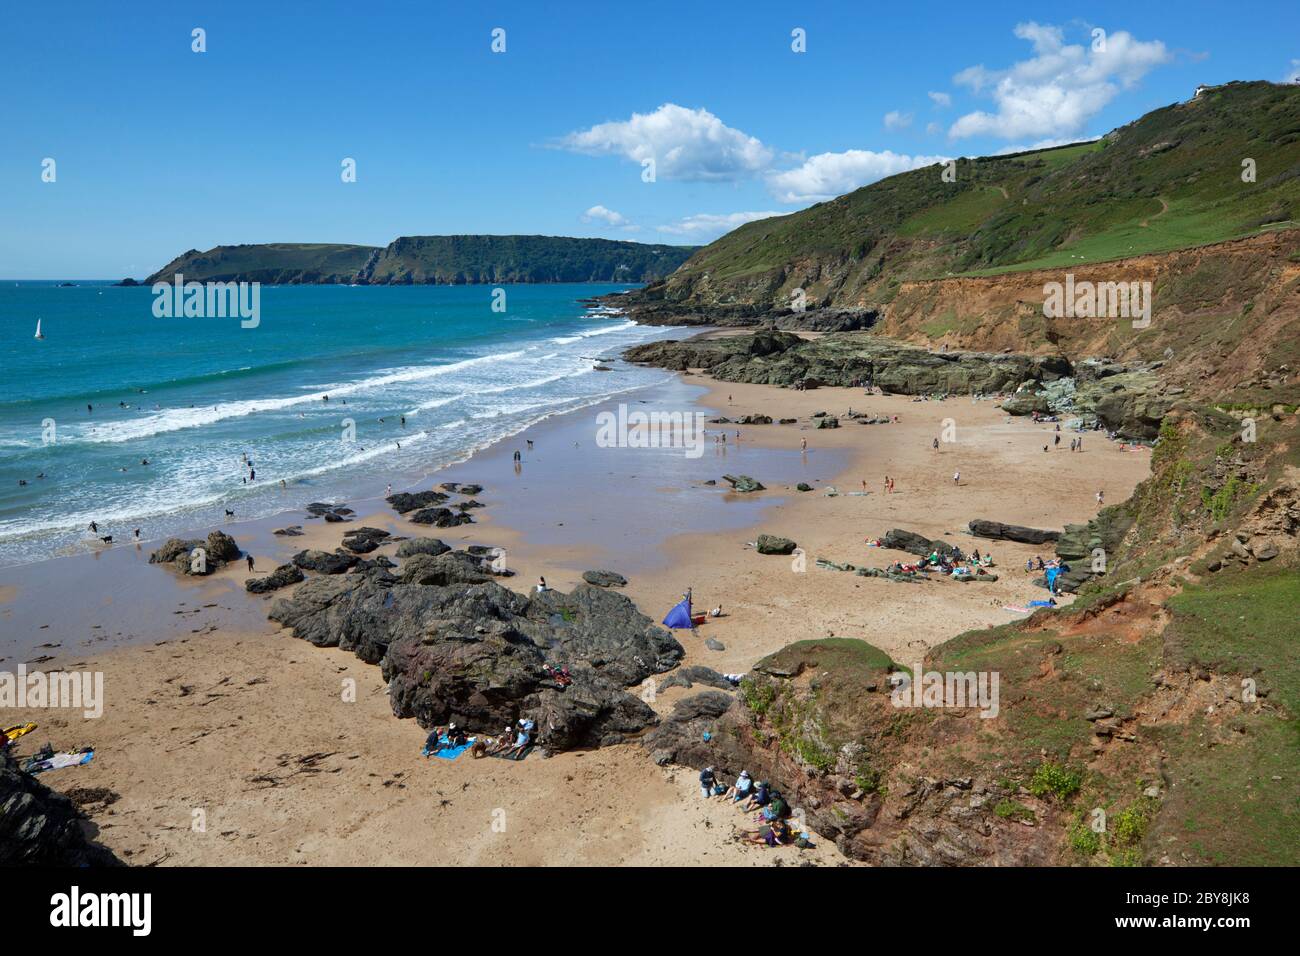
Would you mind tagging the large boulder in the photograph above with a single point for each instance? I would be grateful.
(773, 544)
(482, 655)
(41, 827)
(413, 546)
(325, 562)
(914, 543)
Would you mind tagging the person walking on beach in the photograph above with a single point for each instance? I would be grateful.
(891, 486)
(935, 444)
(250, 562)
(1058, 439)
(956, 477)
(803, 444)
(1101, 498)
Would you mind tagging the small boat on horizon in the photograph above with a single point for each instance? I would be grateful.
(39, 335)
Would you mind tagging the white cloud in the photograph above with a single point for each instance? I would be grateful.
(686, 144)
(933, 128)
(706, 227)
(941, 100)
(608, 216)
(828, 175)
(896, 120)
(1056, 93)
(1293, 74)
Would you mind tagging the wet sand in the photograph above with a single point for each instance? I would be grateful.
(252, 727)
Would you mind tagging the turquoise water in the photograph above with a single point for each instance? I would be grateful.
(195, 397)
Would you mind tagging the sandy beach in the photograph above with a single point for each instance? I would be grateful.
(215, 716)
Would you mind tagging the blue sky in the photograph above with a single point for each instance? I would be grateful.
(159, 149)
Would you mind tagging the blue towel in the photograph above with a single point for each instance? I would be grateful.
(451, 753)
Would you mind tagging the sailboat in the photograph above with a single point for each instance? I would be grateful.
(38, 329)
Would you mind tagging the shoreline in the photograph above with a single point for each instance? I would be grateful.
(251, 704)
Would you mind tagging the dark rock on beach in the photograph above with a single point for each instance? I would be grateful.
(913, 543)
(743, 483)
(414, 546)
(325, 562)
(440, 517)
(1011, 532)
(478, 653)
(217, 549)
(772, 544)
(403, 502)
(604, 579)
(281, 577)
(41, 827)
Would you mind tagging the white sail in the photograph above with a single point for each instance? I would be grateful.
(38, 329)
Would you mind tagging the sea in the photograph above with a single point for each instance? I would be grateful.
(131, 421)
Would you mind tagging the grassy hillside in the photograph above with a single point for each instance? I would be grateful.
(440, 260)
(1169, 180)
(272, 263)
(470, 259)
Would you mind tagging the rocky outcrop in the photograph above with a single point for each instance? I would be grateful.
(914, 543)
(41, 827)
(849, 360)
(998, 531)
(482, 655)
(197, 556)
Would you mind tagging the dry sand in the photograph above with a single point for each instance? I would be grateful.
(250, 731)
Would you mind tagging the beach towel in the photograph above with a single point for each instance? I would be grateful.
(520, 756)
(17, 730)
(450, 753)
(61, 760)
(1041, 604)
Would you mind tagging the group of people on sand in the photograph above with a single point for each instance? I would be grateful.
(513, 742)
(771, 810)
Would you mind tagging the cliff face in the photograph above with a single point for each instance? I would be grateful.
(431, 260)
(1223, 317)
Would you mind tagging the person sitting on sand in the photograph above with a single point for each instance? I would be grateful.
(759, 799)
(716, 612)
(776, 834)
(1038, 563)
(522, 741)
(433, 743)
(707, 782)
(741, 789)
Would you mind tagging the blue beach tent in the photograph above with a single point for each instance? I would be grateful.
(680, 615)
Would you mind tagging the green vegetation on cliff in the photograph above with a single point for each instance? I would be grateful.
(1170, 180)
